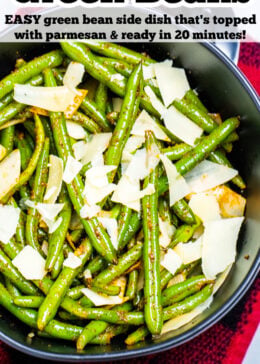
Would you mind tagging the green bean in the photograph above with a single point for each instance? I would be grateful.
(112, 79)
(219, 157)
(199, 117)
(75, 235)
(96, 265)
(7, 138)
(98, 236)
(132, 228)
(28, 172)
(126, 119)
(181, 290)
(29, 317)
(177, 151)
(117, 51)
(12, 248)
(124, 263)
(56, 239)
(14, 291)
(92, 111)
(8, 270)
(28, 301)
(188, 304)
(30, 128)
(75, 292)
(120, 66)
(166, 276)
(106, 337)
(184, 212)
(57, 266)
(86, 122)
(101, 97)
(206, 146)
(95, 328)
(132, 284)
(29, 70)
(40, 180)
(192, 97)
(15, 108)
(123, 224)
(25, 150)
(7, 99)
(111, 290)
(135, 318)
(137, 336)
(184, 233)
(58, 290)
(48, 133)
(151, 252)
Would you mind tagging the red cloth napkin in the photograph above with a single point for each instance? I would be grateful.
(227, 341)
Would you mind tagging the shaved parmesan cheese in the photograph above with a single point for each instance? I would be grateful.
(88, 211)
(138, 169)
(219, 245)
(74, 75)
(172, 82)
(72, 168)
(133, 143)
(153, 157)
(45, 247)
(72, 261)
(221, 279)
(148, 71)
(97, 145)
(181, 277)
(94, 195)
(53, 225)
(117, 77)
(79, 149)
(2, 152)
(54, 179)
(156, 103)
(189, 252)
(117, 104)
(145, 122)
(56, 98)
(166, 232)
(231, 203)
(111, 226)
(207, 175)
(97, 176)
(9, 218)
(75, 131)
(182, 127)
(182, 320)
(205, 206)
(171, 261)
(133, 195)
(10, 169)
(100, 299)
(120, 282)
(30, 263)
(48, 212)
(178, 187)
(87, 274)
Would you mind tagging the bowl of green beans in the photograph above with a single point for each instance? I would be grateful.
(129, 196)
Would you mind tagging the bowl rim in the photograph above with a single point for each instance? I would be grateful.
(199, 328)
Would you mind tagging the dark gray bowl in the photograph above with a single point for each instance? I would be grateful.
(223, 88)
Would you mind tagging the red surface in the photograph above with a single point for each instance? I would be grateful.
(227, 341)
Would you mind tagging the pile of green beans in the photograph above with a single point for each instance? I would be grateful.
(55, 306)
